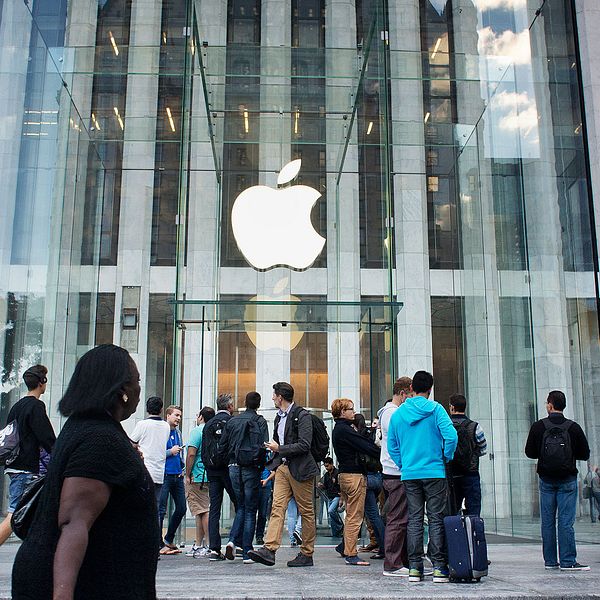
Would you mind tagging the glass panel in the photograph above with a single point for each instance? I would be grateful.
(47, 299)
(159, 365)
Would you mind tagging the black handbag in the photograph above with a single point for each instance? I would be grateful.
(24, 514)
(371, 464)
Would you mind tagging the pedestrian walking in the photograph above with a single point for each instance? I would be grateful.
(35, 432)
(295, 469)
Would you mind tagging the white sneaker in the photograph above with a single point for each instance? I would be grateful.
(401, 572)
(203, 552)
(248, 561)
(230, 551)
(193, 551)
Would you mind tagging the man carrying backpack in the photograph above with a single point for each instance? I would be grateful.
(465, 464)
(243, 443)
(218, 478)
(557, 443)
(295, 469)
(35, 432)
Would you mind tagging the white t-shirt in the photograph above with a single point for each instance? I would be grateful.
(152, 435)
(385, 414)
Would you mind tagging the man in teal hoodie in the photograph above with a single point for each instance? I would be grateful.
(420, 434)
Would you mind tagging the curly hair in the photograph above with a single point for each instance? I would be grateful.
(340, 404)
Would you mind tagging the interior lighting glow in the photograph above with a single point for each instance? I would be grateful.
(164, 36)
(296, 121)
(246, 122)
(95, 122)
(114, 43)
(370, 128)
(427, 115)
(436, 48)
(171, 123)
(119, 117)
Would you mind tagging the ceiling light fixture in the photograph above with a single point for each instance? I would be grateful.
(170, 119)
(119, 117)
(114, 43)
(436, 48)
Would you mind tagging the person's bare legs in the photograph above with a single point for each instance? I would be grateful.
(204, 520)
(202, 529)
(5, 528)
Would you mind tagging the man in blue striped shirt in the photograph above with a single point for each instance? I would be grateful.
(465, 464)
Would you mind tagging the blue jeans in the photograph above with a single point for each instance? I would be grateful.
(294, 520)
(218, 482)
(595, 499)
(432, 493)
(172, 484)
(264, 509)
(246, 487)
(468, 488)
(335, 520)
(17, 485)
(374, 485)
(558, 497)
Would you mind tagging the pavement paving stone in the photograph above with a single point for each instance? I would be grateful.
(517, 571)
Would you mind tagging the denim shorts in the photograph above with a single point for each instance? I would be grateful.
(18, 483)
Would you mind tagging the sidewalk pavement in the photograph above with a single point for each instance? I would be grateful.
(517, 571)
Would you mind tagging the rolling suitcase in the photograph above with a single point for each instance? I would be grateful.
(467, 548)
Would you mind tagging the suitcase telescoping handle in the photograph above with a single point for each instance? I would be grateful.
(452, 508)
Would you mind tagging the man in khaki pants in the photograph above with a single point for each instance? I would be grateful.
(295, 471)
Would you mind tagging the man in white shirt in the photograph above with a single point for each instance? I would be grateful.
(396, 557)
(151, 436)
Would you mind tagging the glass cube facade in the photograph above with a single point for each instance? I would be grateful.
(444, 145)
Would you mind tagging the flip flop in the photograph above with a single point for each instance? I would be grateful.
(165, 550)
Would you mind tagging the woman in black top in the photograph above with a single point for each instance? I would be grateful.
(97, 492)
(374, 487)
(347, 444)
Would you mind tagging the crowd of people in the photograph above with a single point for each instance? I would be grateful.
(413, 459)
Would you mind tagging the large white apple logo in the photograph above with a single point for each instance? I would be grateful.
(272, 227)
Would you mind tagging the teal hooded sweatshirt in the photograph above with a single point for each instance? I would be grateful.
(417, 432)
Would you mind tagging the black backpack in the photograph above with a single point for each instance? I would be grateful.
(556, 455)
(211, 436)
(9, 444)
(250, 450)
(466, 456)
(319, 447)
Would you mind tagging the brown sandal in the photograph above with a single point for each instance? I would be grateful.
(165, 550)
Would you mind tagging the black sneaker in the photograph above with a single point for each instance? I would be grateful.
(298, 538)
(263, 555)
(340, 549)
(576, 567)
(301, 561)
(260, 541)
(215, 555)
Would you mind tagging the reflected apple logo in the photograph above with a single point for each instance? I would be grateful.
(272, 227)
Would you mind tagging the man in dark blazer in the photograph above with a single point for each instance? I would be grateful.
(295, 470)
